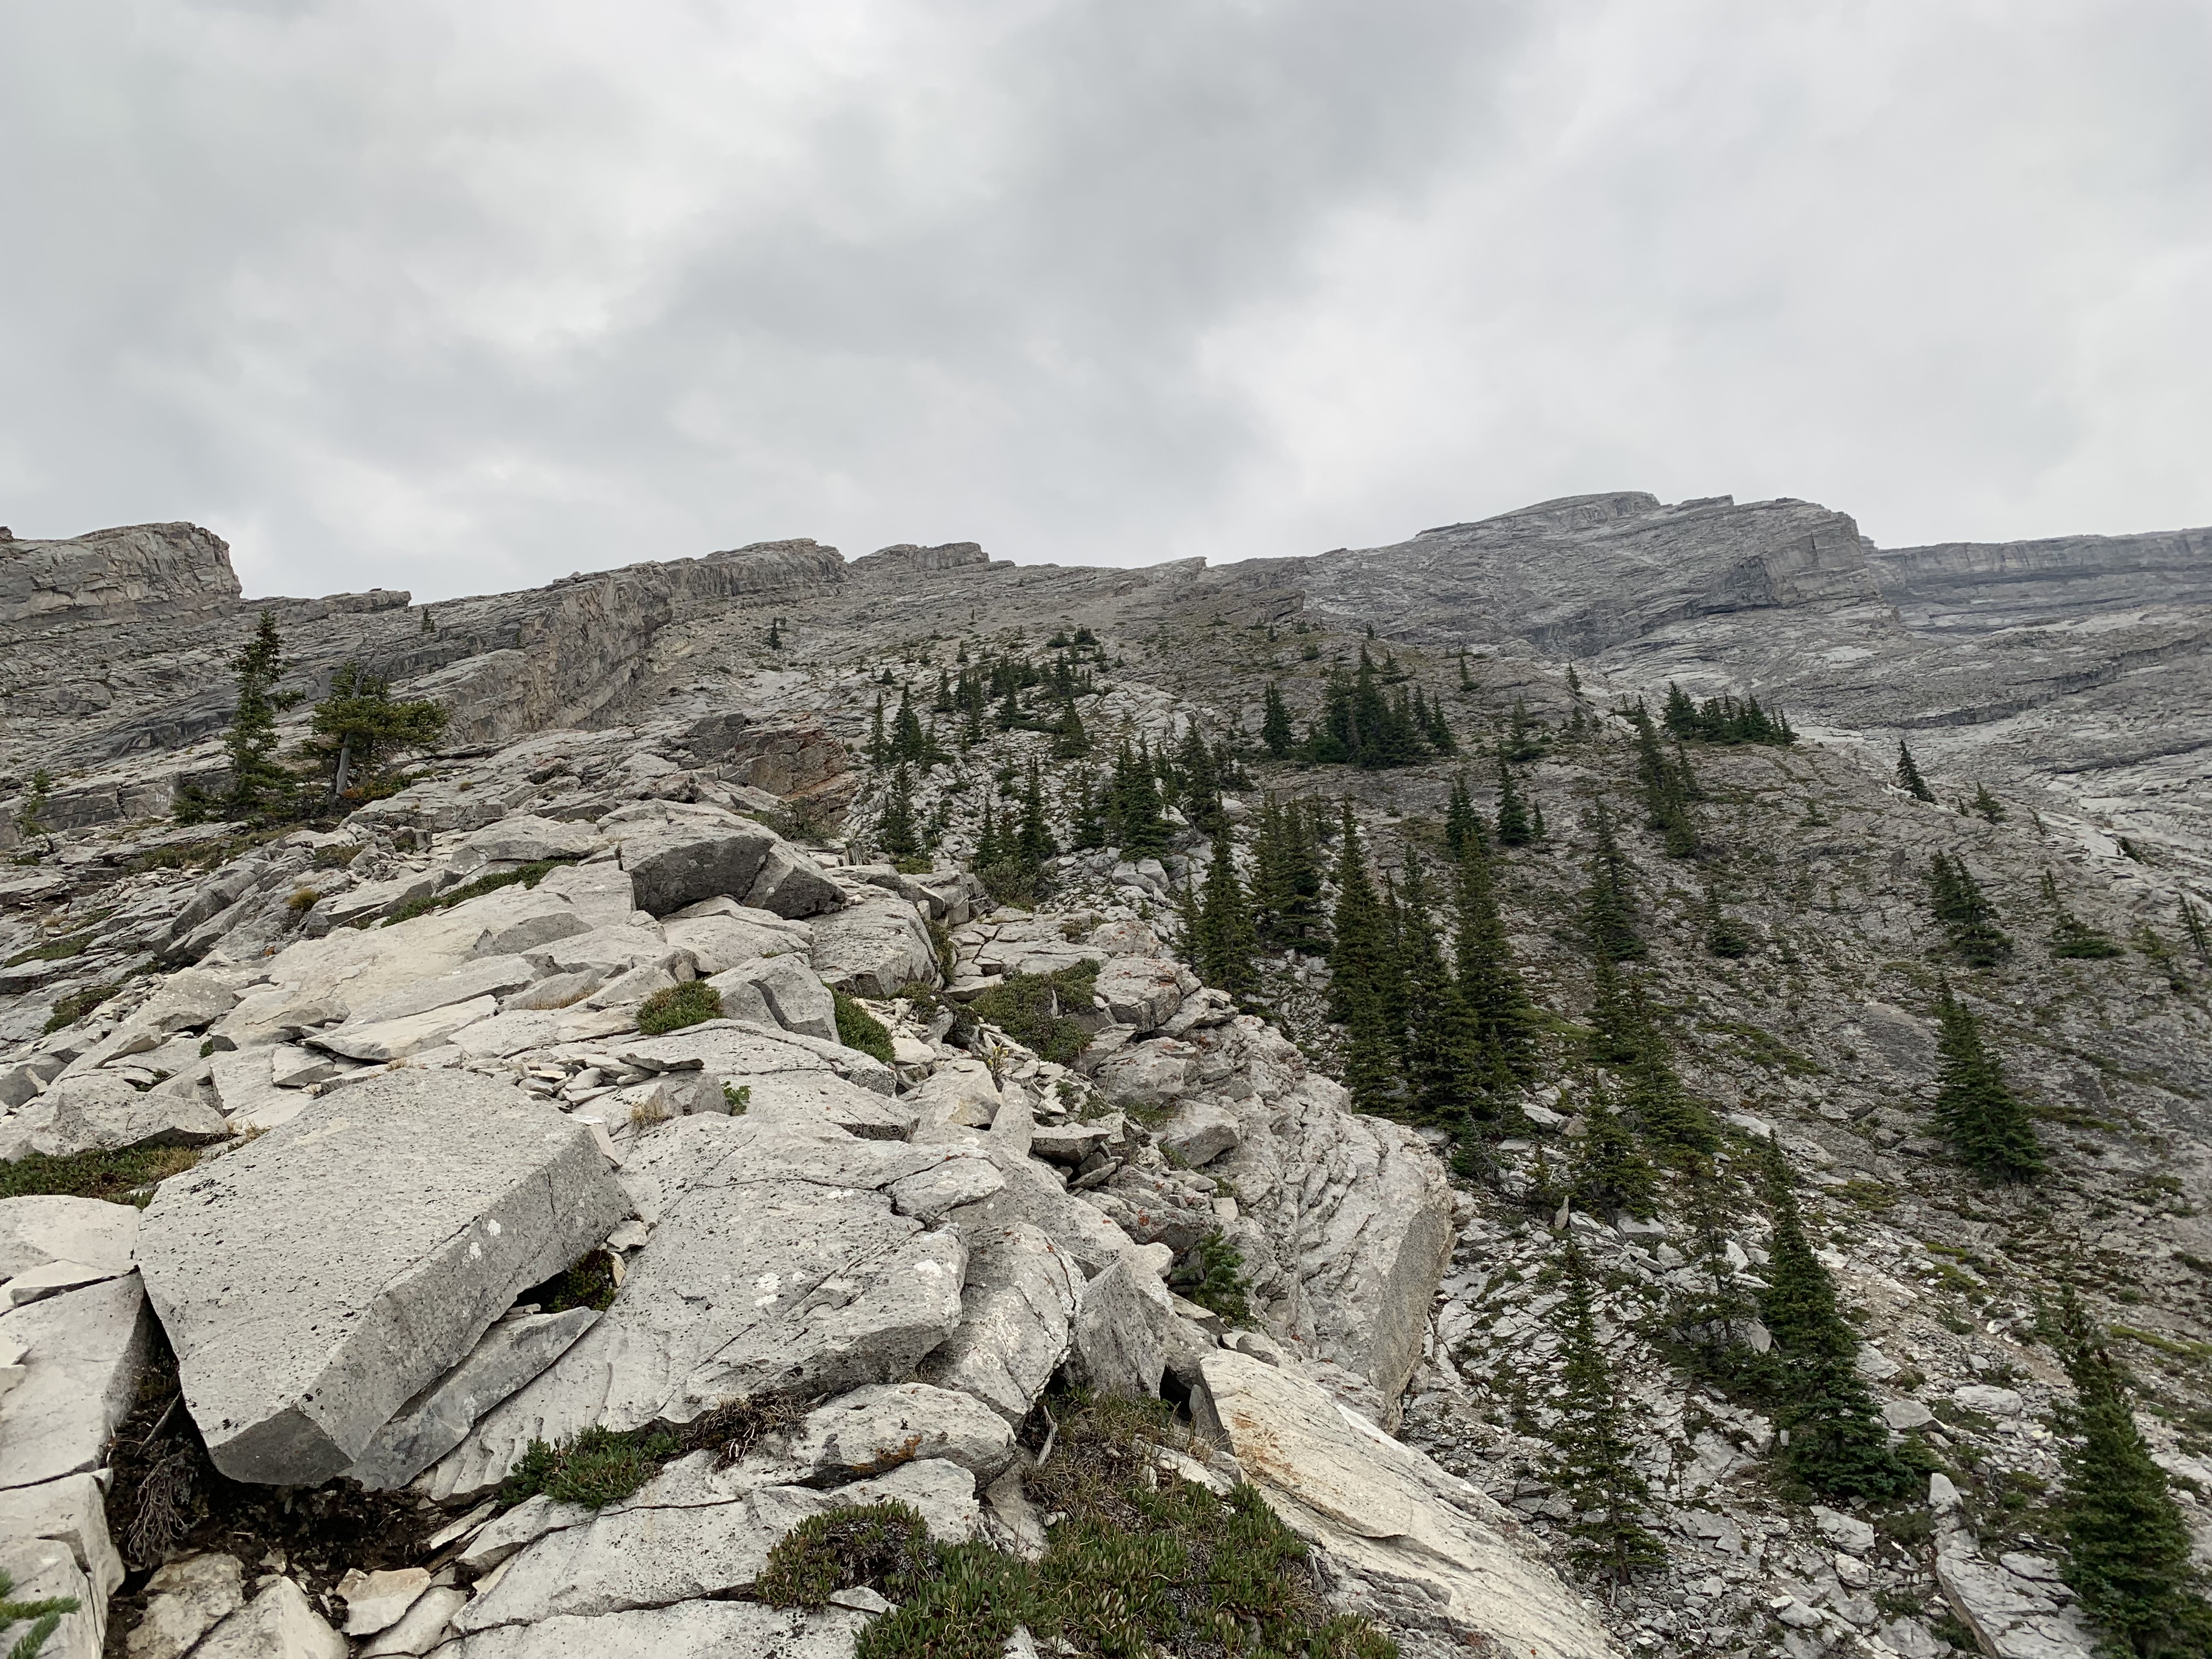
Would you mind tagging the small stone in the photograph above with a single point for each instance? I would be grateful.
(376, 1600)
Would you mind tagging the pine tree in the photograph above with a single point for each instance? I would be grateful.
(1071, 742)
(1611, 1174)
(1133, 812)
(1987, 1127)
(1446, 1073)
(990, 842)
(1489, 980)
(1525, 738)
(1085, 827)
(1287, 878)
(1360, 961)
(1713, 1312)
(895, 835)
(1275, 733)
(1667, 789)
(908, 742)
(775, 634)
(1908, 776)
(2192, 923)
(1225, 940)
(1986, 804)
(1514, 827)
(1613, 1037)
(1200, 786)
(1837, 1443)
(1462, 824)
(1034, 843)
(1964, 913)
(1724, 935)
(357, 724)
(2127, 1544)
(1608, 908)
(1591, 1457)
(259, 787)
(1656, 1101)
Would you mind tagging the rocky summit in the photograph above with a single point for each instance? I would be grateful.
(1626, 1078)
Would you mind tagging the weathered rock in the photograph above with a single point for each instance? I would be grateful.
(514, 1350)
(42, 1570)
(874, 1429)
(436, 1198)
(483, 976)
(525, 838)
(687, 1630)
(1988, 1399)
(1401, 1539)
(37, 1230)
(792, 884)
(675, 862)
(1150, 1074)
(2011, 1617)
(98, 1111)
(1121, 1331)
(278, 1623)
(794, 998)
(802, 1082)
(721, 939)
(874, 946)
(1031, 1196)
(674, 1541)
(399, 1039)
(375, 1601)
(778, 1261)
(1904, 1414)
(1143, 991)
(421, 1627)
(1016, 1310)
(70, 1512)
(82, 1355)
(185, 1600)
(1071, 1143)
(1200, 1132)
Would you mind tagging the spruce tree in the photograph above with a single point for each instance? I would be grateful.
(1591, 1458)
(1964, 913)
(2071, 937)
(1611, 1175)
(878, 743)
(1713, 1310)
(1655, 1101)
(1525, 738)
(2127, 1544)
(1286, 880)
(1085, 827)
(1667, 789)
(1034, 843)
(895, 835)
(1359, 960)
(1838, 1445)
(1986, 804)
(1908, 776)
(1134, 815)
(1200, 783)
(1982, 1120)
(1608, 909)
(1614, 1039)
(1446, 1069)
(1489, 979)
(1071, 742)
(1275, 734)
(2192, 923)
(259, 787)
(1225, 940)
(1462, 825)
(1724, 935)
(1514, 827)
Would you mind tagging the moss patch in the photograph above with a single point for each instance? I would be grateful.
(600, 1467)
(77, 1004)
(528, 875)
(692, 1003)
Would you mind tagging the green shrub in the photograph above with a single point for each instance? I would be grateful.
(859, 1029)
(691, 1003)
(1212, 1274)
(1033, 1010)
(738, 1098)
(336, 857)
(883, 1547)
(600, 1467)
(115, 1176)
(586, 1282)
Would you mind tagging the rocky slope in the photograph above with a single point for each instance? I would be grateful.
(361, 1025)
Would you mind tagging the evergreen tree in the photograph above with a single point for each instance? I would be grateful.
(1525, 738)
(1490, 982)
(1713, 1312)
(1837, 1443)
(1071, 742)
(1087, 829)
(990, 843)
(1724, 935)
(1964, 913)
(1667, 789)
(357, 724)
(1908, 776)
(1986, 804)
(1034, 843)
(896, 835)
(2071, 937)
(1614, 1039)
(1591, 1457)
(1611, 1174)
(879, 744)
(1447, 1071)
(775, 634)
(259, 787)
(1608, 907)
(1275, 733)
(1133, 811)
(907, 743)
(1514, 827)
(1225, 940)
(1656, 1102)
(1200, 783)
(2127, 1544)
(1987, 1127)
(1287, 877)
(1359, 960)
(2192, 923)
(1462, 824)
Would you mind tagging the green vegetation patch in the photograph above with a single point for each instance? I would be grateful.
(1033, 1010)
(671, 1009)
(528, 875)
(118, 1177)
(1136, 1564)
(586, 1282)
(600, 1467)
(859, 1029)
(59, 949)
(1212, 1274)
(77, 1004)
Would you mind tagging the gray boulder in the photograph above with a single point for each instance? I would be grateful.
(316, 1279)
(874, 1429)
(1142, 991)
(1121, 1328)
(41, 1230)
(792, 884)
(685, 1630)
(788, 988)
(874, 945)
(82, 1351)
(779, 1260)
(1201, 1131)
(98, 1111)
(718, 939)
(1015, 1315)
(525, 838)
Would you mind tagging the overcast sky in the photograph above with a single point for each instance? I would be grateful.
(459, 298)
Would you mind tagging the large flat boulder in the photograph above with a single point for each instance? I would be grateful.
(718, 939)
(43, 1228)
(1403, 1540)
(314, 1280)
(877, 944)
(779, 1260)
(82, 1351)
(98, 1111)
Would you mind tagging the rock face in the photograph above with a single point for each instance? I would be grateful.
(434, 1199)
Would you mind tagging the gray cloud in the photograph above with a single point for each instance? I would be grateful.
(463, 298)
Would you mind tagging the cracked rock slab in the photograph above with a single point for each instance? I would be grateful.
(315, 1281)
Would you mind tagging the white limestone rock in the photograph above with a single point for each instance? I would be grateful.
(874, 946)
(795, 999)
(48, 1228)
(687, 1630)
(98, 1111)
(315, 1281)
(278, 1623)
(1121, 1331)
(185, 1600)
(1017, 1311)
(81, 1353)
